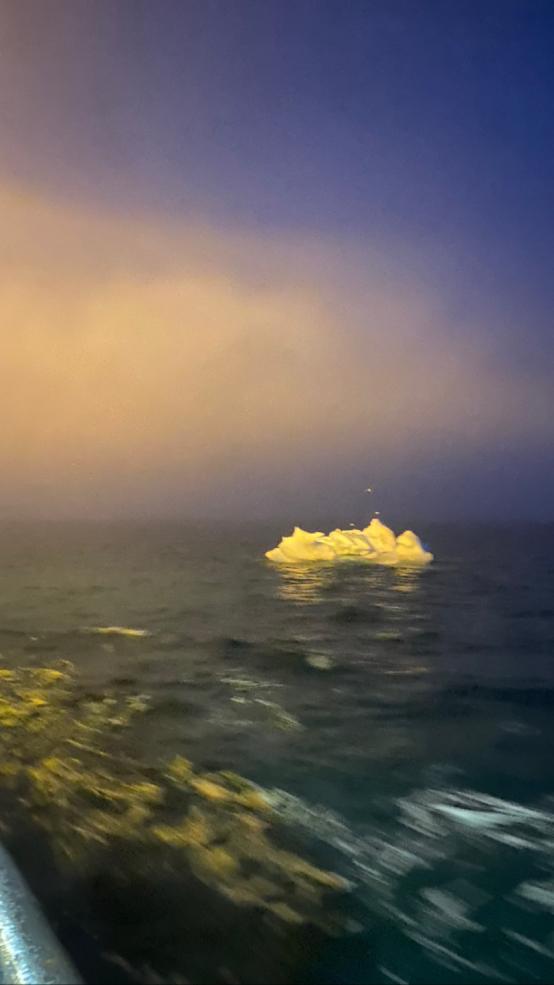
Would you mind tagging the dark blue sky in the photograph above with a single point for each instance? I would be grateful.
(310, 112)
(424, 128)
(426, 121)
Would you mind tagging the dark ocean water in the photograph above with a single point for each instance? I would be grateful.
(399, 724)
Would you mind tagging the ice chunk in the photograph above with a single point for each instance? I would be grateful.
(303, 546)
(409, 548)
(381, 537)
(375, 543)
(350, 542)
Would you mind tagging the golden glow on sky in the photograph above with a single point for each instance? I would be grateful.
(147, 363)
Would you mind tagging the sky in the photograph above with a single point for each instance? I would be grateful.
(258, 256)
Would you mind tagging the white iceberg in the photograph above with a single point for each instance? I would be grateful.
(376, 543)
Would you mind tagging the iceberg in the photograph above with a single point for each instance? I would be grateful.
(376, 543)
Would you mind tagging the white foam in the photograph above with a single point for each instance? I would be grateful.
(117, 631)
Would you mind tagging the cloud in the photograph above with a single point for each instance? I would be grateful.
(152, 365)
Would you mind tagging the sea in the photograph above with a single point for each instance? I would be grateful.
(218, 770)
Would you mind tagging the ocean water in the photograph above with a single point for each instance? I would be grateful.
(335, 774)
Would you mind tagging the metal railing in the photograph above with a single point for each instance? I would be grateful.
(30, 954)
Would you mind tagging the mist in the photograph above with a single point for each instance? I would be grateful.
(157, 367)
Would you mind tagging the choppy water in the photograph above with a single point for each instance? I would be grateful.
(399, 727)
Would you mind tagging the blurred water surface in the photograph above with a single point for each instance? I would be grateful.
(397, 725)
